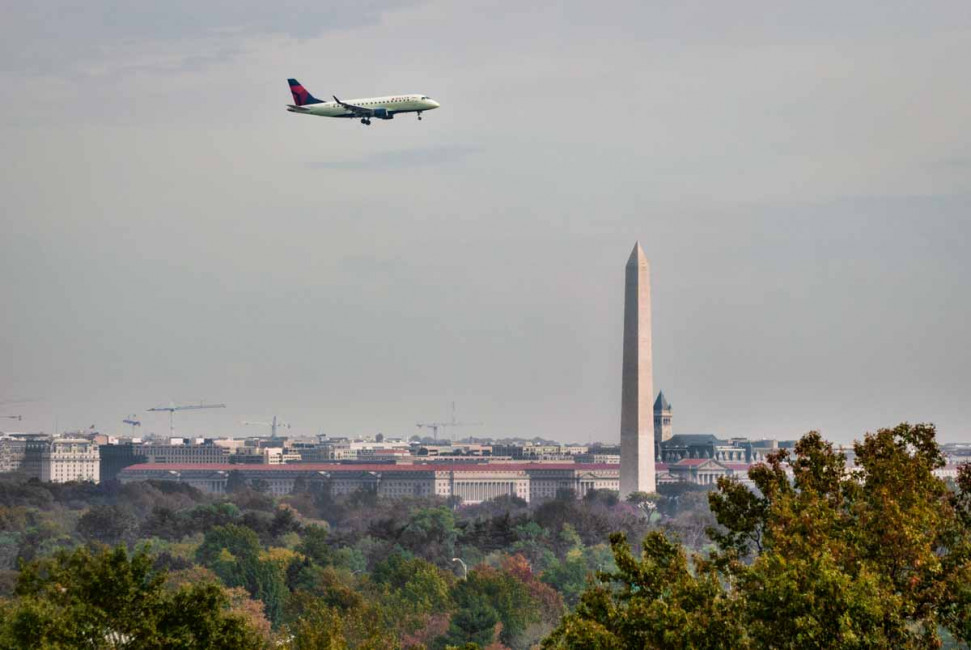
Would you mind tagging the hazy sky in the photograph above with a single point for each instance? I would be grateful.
(799, 175)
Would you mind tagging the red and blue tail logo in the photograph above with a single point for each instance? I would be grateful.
(301, 96)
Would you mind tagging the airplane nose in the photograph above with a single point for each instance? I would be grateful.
(435, 104)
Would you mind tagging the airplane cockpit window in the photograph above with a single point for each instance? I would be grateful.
(426, 97)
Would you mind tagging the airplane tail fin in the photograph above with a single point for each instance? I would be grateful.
(301, 96)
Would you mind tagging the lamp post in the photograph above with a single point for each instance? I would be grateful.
(465, 569)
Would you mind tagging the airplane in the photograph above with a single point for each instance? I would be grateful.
(381, 108)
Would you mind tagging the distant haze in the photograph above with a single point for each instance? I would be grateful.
(799, 175)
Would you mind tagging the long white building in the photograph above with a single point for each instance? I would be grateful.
(472, 483)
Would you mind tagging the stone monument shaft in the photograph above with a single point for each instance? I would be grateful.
(637, 412)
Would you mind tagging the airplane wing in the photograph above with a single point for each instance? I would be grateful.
(360, 111)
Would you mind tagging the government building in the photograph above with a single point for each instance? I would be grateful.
(470, 482)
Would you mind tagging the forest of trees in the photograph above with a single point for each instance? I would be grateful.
(868, 556)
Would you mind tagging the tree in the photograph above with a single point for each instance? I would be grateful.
(163, 522)
(314, 625)
(661, 601)
(300, 485)
(235, 482)
(534, 544)
(203, 518)
(108, 599)
(418, 586)
(494, 533)
(873, 556)
(865, 555)
(226, 549)
(284, 521)
(331, 587)
(476, 622)
(568, 576)
(548, 603)
(675, 498)
(431, 533)
(602, 496)
(107, 524)
(313, 544)
(249, 610)
(645, 502)
(692, 520)
(233, 552)
(487, 590)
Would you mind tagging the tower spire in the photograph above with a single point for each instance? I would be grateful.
(637, 394)
(662, 418)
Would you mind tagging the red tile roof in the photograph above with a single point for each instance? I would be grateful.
(371, 467)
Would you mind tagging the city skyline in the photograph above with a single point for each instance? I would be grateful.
(800, 175)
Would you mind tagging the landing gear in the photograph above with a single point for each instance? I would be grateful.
(366, 121)
(419, 115)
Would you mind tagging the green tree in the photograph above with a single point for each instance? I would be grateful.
(266, 582)
(284, 521)
(203, 518)
(164, 523)
(645, 502)
(503, 593)
(874, 556)
(476, 622)
(235, 482)
(233, 553)
(108, 599)
(229, 551)
(548, 602)
(568, 576)
(863, 556)
(312, 624)
(533, 543)
(418, 585)
(108, 524)
(430, 532)
(313, 544)
(660, 600)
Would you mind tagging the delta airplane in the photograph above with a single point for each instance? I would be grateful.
(381, 108)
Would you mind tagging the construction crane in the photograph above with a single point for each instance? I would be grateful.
(274, 425)
(435, 426)
(130, 420)
(172, 408)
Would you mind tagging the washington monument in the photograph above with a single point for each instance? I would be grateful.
(636, 411)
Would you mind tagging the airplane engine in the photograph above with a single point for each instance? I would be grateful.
(383, 114)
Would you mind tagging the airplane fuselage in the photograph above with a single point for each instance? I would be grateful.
(383, 107)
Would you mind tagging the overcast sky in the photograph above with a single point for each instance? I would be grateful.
(799, 175)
